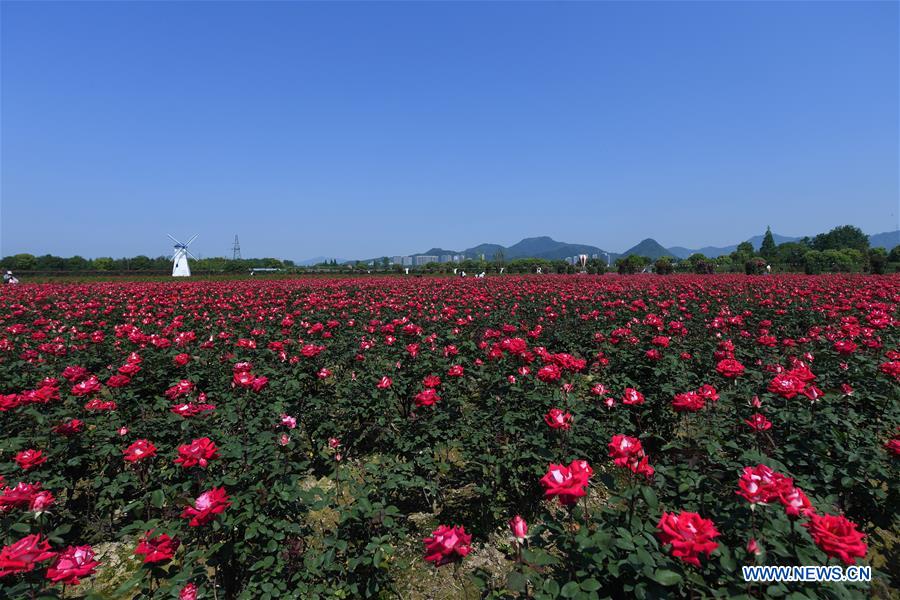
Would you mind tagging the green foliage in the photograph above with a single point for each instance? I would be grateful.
(768, 249)
(842, 237)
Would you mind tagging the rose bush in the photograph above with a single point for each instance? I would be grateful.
(596, 436)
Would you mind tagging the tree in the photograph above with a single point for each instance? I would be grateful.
(844, 236)
(24, 262)
(700, 264)
(499, 256)
(878, 258)
(791, 253)
(631, 264)
(755, 266)
(894, 256)
(743, 253)
(103, 263)
(663, 266)
(767, 249)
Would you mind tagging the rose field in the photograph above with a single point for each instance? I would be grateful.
(510, 437)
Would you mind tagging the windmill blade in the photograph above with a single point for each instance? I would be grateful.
(192, 239)
(191, 255)
(173, 238)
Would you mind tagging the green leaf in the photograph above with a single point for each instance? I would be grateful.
(20, 527)
(570, 590)
(517, 582)
(650, 497)
(157, 498)
(666, 577)
(590, 585)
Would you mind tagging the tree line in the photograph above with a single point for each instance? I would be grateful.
(138, 264)
(843, 249)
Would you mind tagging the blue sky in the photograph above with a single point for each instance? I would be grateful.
(363, 129)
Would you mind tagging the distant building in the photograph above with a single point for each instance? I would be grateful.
(397, 260)
(407, 261)
(424, 259)
(445, 258)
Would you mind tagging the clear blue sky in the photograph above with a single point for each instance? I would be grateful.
(358, 130)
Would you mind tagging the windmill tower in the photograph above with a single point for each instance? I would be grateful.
(180, 267)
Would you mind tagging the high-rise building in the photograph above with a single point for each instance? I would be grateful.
(407, 261)
(424, 259)
(445, 258)
(397, 260)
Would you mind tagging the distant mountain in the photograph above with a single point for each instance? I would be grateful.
(487, 249)
(649, 248)
(886, 240)
(715, 251)
(680, 251)
(537, 247)
(547, 248)
(436, 252)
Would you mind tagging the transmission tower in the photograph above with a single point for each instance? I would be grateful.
(236, 249)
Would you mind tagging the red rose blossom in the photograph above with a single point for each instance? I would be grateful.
(689, 534)
(447, 544)
(837, 537)
(206, 507)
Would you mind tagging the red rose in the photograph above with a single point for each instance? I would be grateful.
(557, 419)
(786, 385)
(157, 549)
(837, 536)
(566, 483)
(689, 534)
(427, 397)
(74, 374)
(29, 459)
(86, 386)
(198, 452)
(140, 450)
(688, 401)
(181, 359)
(21, 556)
(19, 496)
(627, 451)
(845, 347)
(758, 422)
(41, 501)
(70, 427)
(206, 506)
(761, 485)
(118, 381)
(549, 373)
(891, 368)
(101, 405)
(519, 528)
(431, 381)
(72, 563)
(455, 371)
(188, 592)
(182, 388)
(446, 544)
(893, 446)
(385, 383)
(730, 368)
(632, 396)
(708, 392)
(795, 502)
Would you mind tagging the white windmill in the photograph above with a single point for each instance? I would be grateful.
(180, 267)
